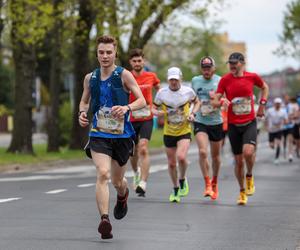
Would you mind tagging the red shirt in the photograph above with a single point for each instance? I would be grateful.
(146, 81)
(239, 91)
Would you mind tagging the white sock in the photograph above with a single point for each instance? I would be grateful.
(143, 184)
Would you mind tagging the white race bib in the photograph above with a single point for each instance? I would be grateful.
(206, 108)
(241, 105)
(142, 113)
(109, 124)
(175, 116)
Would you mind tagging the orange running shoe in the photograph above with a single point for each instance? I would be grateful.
(250, 188)
(215, 191)
(208, 189)
(242, 200)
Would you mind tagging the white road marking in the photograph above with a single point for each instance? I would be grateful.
(10, 199)
(56, 191)
(86, 185)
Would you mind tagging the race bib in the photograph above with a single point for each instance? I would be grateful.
(241, 105)
(109, 124)
(206, 108)
(175, 116)
(142, 113)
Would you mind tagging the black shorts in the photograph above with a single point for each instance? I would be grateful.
(287, 131)
(119, 149)
(214, 132)
(143, 129)
(171, 141)
(275, 135)
(296, 132)
(240, 135)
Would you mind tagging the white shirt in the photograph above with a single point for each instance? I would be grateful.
(276, 119)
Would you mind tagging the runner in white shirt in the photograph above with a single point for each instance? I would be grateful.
(276, 117)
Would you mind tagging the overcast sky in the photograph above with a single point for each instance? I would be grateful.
(258, 23)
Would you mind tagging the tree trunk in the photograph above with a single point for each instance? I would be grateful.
(81, 68)
(24, 59)
(55, 82)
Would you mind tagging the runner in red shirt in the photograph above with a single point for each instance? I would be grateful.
(142, 120)
(237, 86)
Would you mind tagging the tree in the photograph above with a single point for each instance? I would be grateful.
(30, 20)
(133, 23)
(290, 37)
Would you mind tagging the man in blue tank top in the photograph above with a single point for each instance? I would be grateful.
(110, 145)
(208, 125)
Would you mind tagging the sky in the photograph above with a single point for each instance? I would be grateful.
(258, 23)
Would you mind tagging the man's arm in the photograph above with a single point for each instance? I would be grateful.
(196, 107)
(84, 102)
(263, 100)
(131, 84)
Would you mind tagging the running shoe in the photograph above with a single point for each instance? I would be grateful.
(121, 207)
(208, 191)
(174, 198)
(215, 191)
(250, 188)
(140, 191)
(242, 200)
(290, 158)
(185, 190)
(136, 179)
(105, 228)
(276, 161)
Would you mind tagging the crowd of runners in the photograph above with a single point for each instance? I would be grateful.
(122, 108)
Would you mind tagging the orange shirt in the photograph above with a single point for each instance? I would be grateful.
(146, 81)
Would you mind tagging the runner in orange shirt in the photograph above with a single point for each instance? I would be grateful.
(142, 120)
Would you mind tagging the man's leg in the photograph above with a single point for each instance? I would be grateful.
(215, 148)
(181, 152)
(103, 166)
(171, 155)
(202, 142)
(248, 152)
(290, 146)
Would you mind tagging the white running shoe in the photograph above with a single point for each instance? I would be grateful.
(276, 161)
(290, 158)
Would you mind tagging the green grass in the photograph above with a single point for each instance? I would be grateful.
(41, 154)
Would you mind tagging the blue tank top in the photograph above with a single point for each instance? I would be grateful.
(106, 102)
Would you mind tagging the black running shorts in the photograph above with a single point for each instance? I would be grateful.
(275, 135)
(119, 149)
(296, 132)
(143, 129)
(214, 132)
(171, 141)
(240, 135)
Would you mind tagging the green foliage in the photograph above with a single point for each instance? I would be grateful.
(290, 37)
(65, 122)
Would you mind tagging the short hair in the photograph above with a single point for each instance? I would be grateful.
(136, 52)
(107, 40)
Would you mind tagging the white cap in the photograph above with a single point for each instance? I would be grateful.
(174, 73)
(278, 100)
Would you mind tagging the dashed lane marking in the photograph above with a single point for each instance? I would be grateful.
(56, 191)
(10, 199)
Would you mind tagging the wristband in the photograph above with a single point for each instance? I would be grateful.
(79, 113)
(263, 101)
(129, 109)
(221, 101)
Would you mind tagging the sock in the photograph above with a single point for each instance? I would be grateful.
(248, 175)
(104, 216)
(119, 197)
(242, 190)
(207, 180)
(215, 179)
(181, 182)
(143, 185)
(277, 152)
(176, 190)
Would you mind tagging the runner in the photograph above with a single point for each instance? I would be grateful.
(294, 118)
(142, 120)
(175, 101)
(208, 128)
(110, 142)
(288, 130)
(238, 85)
(276, 117)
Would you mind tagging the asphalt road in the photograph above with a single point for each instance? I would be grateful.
(56, 209)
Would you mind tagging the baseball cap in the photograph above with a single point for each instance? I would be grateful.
(174, 73)
(236, 57)
(207, 61)
(277, 100)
